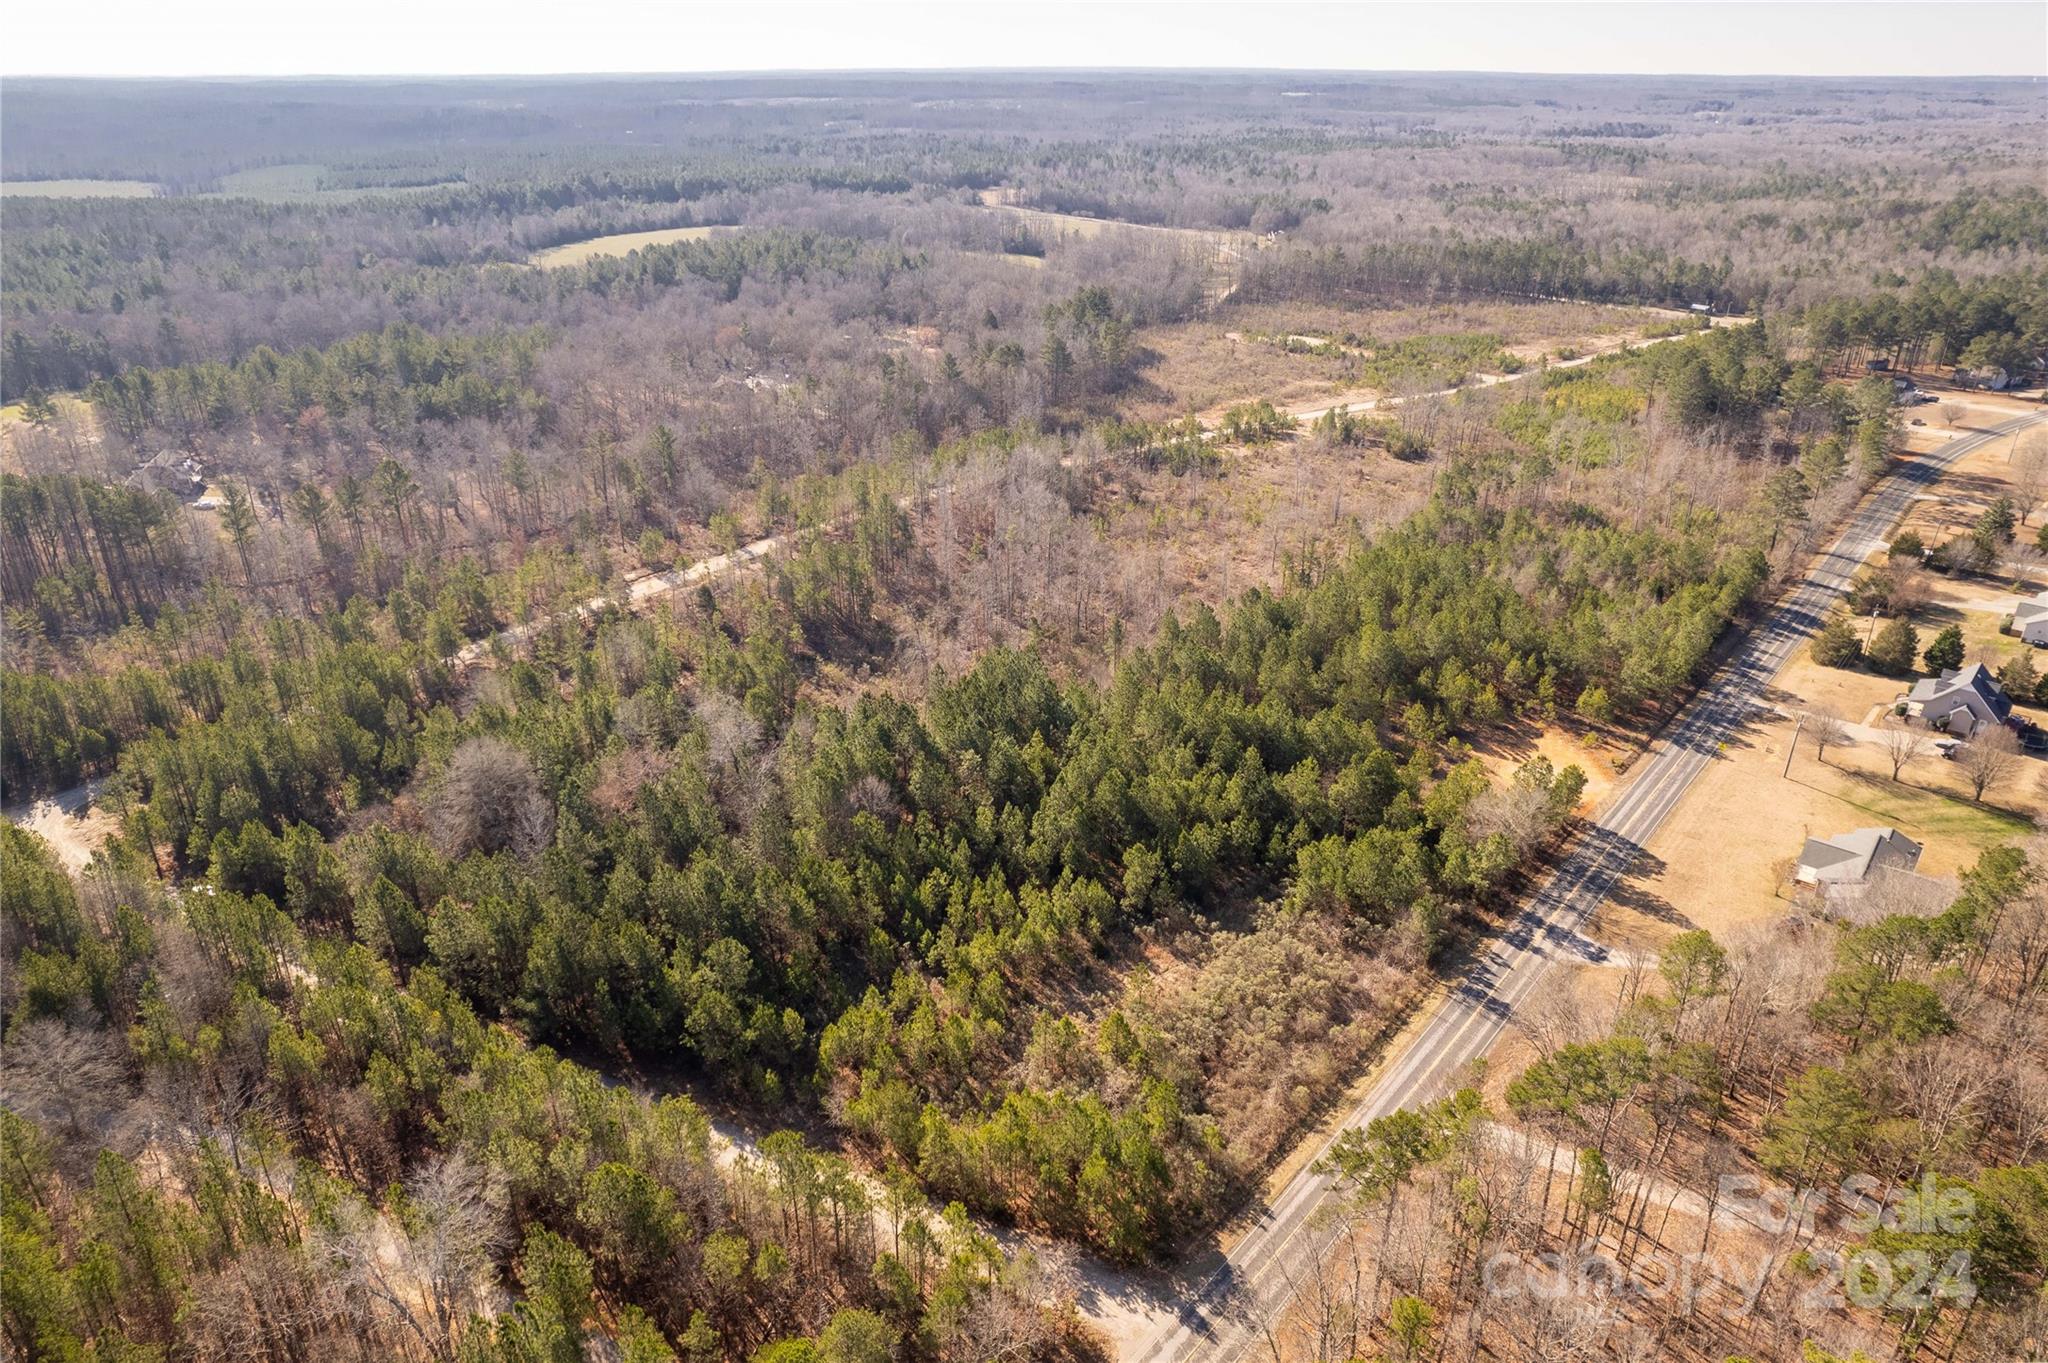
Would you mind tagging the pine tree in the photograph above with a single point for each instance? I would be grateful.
(2019, 676)
(1946, 652)
(1893, 650)
(238, 518)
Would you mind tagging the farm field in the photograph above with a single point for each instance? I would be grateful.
(299, 181)
(619, 244)
(78, 189)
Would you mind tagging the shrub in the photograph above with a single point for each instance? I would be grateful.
(1837, 645)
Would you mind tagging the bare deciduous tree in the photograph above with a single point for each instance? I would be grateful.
(1517, 809)
(428, 1275)
(2027, 480)
(2023, 1096)
(1902, 744)
(1943, 1085)
(490, 800)
(1825, 730)
(68, 1079)
(1989, 760)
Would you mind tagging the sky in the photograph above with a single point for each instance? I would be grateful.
(484, 37)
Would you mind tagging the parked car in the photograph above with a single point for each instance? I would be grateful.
(1947, 747)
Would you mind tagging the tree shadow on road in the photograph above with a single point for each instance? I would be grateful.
(1632, 894)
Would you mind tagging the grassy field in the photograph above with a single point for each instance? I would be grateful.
(16, 413)
(274, 182)
(1304, 353)
(618, 244)
(78, 189)
(1927, 814)
(302, 180)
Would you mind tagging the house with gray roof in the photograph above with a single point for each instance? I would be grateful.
(2030, 620)
(1850, 858)
(1960, 701)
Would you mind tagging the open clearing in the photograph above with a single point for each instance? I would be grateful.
(1270, 350)
(78, 189)
(1053, 226)
(304, 180)
(70, 821)
(618, 244)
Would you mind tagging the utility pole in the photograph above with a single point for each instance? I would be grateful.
(1787, 773)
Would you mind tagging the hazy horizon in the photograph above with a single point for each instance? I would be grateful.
(447, 39)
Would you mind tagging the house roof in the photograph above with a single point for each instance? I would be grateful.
(1975, 679)
(2031, 609)
(1848, 856)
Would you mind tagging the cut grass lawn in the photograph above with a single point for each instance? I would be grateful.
(618, 244)
(1927, 812)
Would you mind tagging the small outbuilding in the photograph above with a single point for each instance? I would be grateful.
(1851, 858)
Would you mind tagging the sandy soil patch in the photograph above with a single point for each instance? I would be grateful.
(70, 822)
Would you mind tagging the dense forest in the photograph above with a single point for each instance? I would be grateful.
(549, 718)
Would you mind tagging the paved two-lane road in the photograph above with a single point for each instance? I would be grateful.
(1219, 1320)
